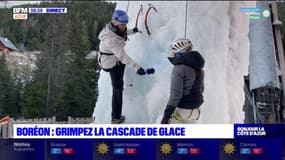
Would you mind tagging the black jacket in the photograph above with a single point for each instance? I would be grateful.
(187, 82)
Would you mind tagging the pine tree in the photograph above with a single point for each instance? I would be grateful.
(9, 95)
(65, 82)
(33, 100)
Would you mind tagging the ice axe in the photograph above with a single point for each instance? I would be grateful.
(146, 16)
(137, 19)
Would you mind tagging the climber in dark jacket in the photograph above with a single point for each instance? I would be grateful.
(187, 84)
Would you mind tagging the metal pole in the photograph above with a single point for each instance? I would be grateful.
(277, 33)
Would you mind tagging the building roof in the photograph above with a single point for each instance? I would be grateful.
(7, 43)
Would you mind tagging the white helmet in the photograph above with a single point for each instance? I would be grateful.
(181, 45)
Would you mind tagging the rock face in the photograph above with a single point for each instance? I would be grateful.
(21, 64)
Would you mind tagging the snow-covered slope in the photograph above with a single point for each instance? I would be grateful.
(217, 29)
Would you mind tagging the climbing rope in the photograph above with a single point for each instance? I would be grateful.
(186, 9)
(128, 6)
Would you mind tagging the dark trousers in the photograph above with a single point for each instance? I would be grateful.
(117, 75)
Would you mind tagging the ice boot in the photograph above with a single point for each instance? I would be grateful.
(119, 121)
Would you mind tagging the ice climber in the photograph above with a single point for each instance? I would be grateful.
(113, 58)
(187, 84)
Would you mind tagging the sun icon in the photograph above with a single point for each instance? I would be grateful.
(229, 148)
(165, 148)
(103, 148)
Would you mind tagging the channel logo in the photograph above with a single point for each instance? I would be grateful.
(20, 10)
(20, 13)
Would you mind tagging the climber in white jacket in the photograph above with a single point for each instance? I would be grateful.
(113, 58)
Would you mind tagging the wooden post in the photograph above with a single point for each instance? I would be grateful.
(69, 120)
(53, 119)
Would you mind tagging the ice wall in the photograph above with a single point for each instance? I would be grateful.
(217, 29)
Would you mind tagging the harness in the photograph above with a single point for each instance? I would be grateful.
(106, 54)
(100, 55)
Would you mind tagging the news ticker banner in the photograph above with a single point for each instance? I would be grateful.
(141, 149)
(22, 13)
(140, 142)
(137, 131)
(148, 131)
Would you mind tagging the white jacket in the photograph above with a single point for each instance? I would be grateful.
(110, 42)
